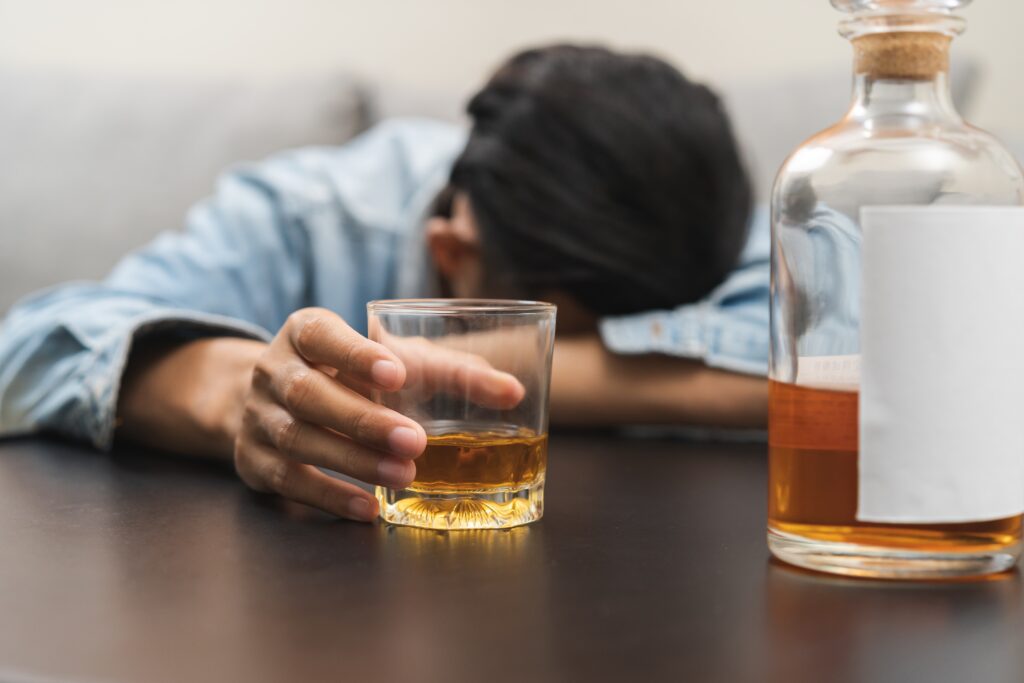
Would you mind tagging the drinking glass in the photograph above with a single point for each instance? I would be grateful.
(478, 374)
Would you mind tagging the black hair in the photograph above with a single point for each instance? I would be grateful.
(604, 175)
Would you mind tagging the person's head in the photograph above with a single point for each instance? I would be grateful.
(604, 179)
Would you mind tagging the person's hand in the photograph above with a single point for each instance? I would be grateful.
(308, 407)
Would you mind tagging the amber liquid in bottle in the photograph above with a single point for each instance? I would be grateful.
(812, 481)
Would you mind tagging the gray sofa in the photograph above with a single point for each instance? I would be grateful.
(94, 165)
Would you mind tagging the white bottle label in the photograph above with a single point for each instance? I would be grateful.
(838, 373)
(942, 364)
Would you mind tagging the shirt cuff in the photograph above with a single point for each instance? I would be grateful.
(102, 378)
(693, 332)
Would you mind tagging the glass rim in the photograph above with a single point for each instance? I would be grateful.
(460, 306)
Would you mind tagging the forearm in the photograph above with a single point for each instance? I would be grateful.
(592, 386)
(187, 398)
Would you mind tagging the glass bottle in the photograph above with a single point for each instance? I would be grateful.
(901, 143)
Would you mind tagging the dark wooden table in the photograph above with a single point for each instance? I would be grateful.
(650, 565)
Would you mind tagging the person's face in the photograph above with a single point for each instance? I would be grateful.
(455, 247)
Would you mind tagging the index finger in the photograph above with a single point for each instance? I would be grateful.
(461, 373)
(321, 337)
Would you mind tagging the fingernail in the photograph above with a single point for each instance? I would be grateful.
(405, 441)
(384, 373)
(513, 390)
(393, 473)
(516, 387)
(359, 508)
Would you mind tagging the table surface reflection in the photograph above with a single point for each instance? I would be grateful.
(649, 565)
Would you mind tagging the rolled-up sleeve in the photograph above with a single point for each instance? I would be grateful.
(315, 226)
(727, 330)
(238, 269)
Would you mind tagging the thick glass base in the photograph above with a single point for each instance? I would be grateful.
(881, 562)
(461, 509)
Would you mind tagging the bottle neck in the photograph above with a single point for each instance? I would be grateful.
(926, 100)
(902, 75)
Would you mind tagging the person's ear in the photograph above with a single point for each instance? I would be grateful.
(448, 247)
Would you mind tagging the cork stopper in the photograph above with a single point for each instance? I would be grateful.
(904, 55)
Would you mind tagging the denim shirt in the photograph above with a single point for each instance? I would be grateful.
(332, 227)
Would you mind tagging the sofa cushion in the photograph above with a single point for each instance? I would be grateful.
(96, 165)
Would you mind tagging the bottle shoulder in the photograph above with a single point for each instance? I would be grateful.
(852, 164)
(835, 144)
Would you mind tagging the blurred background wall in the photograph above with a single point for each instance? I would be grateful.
(116, 116)
(449, 45)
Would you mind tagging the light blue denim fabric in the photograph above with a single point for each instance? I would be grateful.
(332, 227)
(823, 247)
(727, 330)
